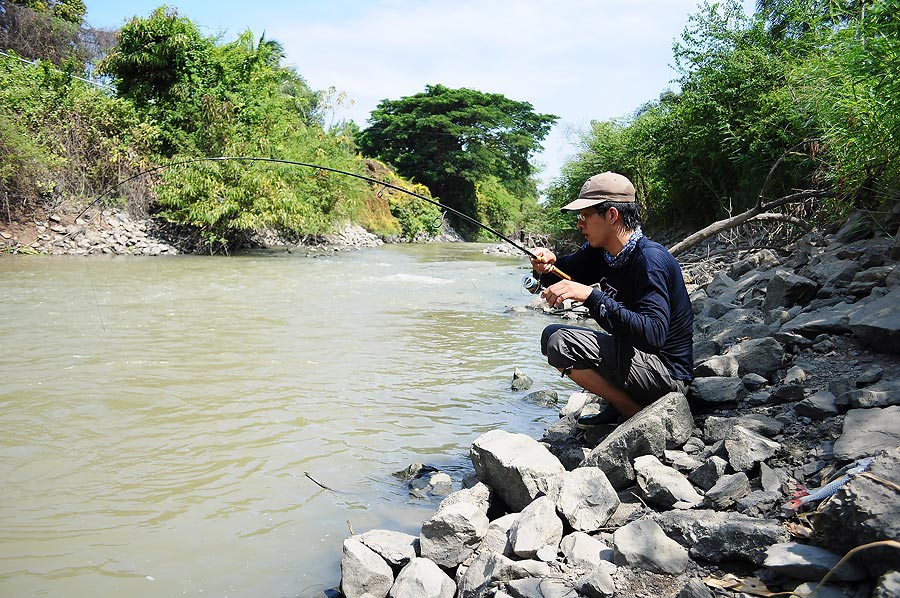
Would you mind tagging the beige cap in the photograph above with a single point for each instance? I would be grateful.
(607, 186)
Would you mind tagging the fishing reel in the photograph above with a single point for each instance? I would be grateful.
(531, 284)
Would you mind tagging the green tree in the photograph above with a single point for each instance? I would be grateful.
(852, 87)
(451, 140)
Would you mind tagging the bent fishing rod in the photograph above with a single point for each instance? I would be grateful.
(384, 184)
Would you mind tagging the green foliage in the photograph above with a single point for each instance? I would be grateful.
(61, 137)
(452, 139)
(752, 90)
(853, 89)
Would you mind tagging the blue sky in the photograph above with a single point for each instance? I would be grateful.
(582, 60)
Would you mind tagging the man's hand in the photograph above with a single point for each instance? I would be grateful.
(566, 289)
(545, 261)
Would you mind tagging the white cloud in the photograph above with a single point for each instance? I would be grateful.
(579, 59)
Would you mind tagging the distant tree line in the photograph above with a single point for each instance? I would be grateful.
(801, 95)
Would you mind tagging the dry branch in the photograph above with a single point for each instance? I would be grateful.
(759, 211)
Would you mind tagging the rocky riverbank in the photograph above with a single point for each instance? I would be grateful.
(797, 389)
(114, 232)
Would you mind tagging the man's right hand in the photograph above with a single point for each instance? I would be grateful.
(544, 262)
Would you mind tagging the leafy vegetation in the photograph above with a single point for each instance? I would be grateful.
(471, 149)
(811, 87)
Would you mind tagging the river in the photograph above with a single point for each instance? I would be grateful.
(158, 414)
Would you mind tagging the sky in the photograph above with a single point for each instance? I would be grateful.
(581, 60)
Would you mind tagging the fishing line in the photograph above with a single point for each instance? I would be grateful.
(319, 167)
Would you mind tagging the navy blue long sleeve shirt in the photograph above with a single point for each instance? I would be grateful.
(644, 303)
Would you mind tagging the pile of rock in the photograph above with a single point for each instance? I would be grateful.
(106, 232)
(695, 495)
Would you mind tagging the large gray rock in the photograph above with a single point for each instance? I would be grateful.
(598, 584)
(865, 510)
(708, 474)
(720, 365)
(818, 406)
(722, 536)
(516, 466)
(809, 563)
(761, 356)
(834, 319)
(746, 448)
(878, 323)
(715, 428)
(867, 431)
(536, 527)
(663, 486)
(497, 537)
(396, 548)
(882, 394)
(421, 578)
(540, 588)
(727, 491)
(714, 390)
(585, 498)
(364, 574)
(665, 423)
(585, 552)
(484, 571)
(644, 545)
(787, 289)
(456, 529)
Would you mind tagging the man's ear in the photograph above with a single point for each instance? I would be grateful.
(615, 214)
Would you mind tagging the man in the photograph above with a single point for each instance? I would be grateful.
(638, 297)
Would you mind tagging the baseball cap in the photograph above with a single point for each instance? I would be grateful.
(606, 186)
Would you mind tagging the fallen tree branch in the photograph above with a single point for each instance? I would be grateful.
(727, 250)
(753, 213)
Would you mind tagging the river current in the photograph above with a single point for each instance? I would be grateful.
(159, 414)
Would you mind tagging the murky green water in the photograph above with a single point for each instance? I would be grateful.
(158, 414)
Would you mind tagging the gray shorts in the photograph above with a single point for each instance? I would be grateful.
(643, 376)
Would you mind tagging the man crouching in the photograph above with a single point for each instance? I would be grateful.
(634, 289)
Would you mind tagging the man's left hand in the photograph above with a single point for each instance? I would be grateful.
(566, 289)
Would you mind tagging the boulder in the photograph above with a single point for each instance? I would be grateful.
(727, 491)
(396, 548)
(585, 552)
(878, 323)
(746, 448)
(787, 289)
(809, 563)
(663, 486)
(865, 510)
(761, 356)
(484, 572)
(722, 536)
(518, 467)
(667, 422)
(585, 498)
(364, 574)
(536, 527)
(421, 578)
(712, 390)
(456, 529)
(867, 431)
(644, 545)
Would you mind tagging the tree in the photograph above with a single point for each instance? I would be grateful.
(453, 140)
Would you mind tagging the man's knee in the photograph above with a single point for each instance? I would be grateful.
(548, 332)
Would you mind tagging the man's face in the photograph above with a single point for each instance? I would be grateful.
(593, 226)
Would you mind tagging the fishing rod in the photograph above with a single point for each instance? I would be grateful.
(525, 250)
